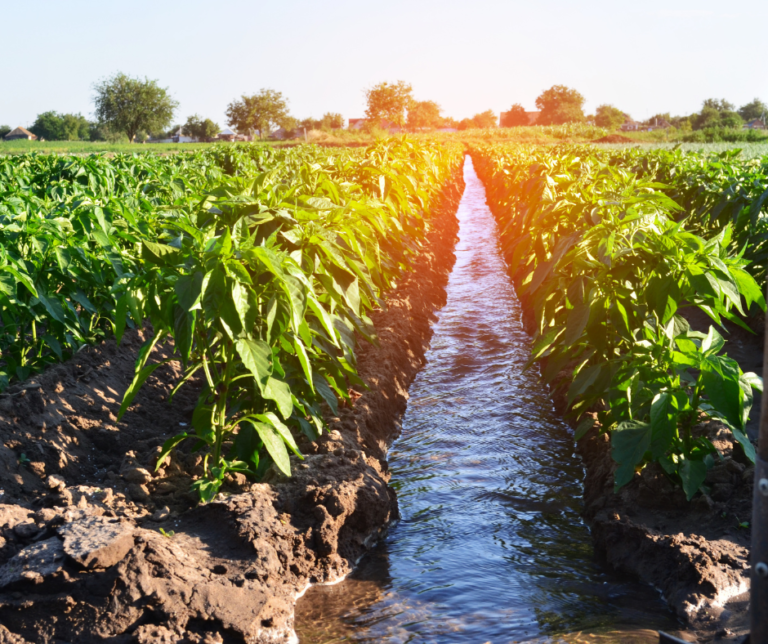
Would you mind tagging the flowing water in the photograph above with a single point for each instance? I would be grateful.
(490, 547)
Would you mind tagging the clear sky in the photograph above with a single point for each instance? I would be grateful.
(644, 57)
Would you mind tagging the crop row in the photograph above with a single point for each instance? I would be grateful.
(607, 261)
(262, 267)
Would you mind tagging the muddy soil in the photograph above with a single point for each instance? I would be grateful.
(695, 552)
(95, 546)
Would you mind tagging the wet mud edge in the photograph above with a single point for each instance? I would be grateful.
(97, 547)
(695, 553)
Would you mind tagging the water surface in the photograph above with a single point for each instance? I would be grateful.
(490, 547)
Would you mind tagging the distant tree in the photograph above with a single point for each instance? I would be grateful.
(310, 124)
(332, 121)
(289, 124)
(485, 119)
(449, 121)
(4, 129)
(424, 114)
(261, 112)
(730, 119)
(481, 121)
(516, 117)
(609, 117)
(129, 105)
(47, 126)
(389, 101)
(53, 126)
(754, 110)
(201, 129)
(560, 104)
(708, 117)
(719, 104)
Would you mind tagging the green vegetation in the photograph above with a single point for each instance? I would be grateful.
(132, 105)
(260, 264)
(560, 104)
(608, 249)
(22, 146)
(61, 127)
(260, 113)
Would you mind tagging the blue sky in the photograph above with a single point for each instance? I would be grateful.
(643, 57)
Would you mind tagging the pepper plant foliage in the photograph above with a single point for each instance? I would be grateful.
(603, 258)
(263, 285)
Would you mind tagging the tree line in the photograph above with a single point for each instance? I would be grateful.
(560, 104)
(136, 109)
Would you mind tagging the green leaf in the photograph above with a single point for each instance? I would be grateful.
(629, 443)
(189, 289)
(753, 380)
(202, 422)
(578, 317)
(306, 366)
(325, 391)
(207, 489)
(720, 383)
(663, 424)
(257, 358)
(712, 343)
(52, 306)
(746, 444)
(692, 474)
(158, 254)
(215, 291)
(584, 426)
(275, 445)
(138, 380)
(748, 287)
(167, 447)
(280, 392)
(282, 429)
(121, 315)
(183, 331)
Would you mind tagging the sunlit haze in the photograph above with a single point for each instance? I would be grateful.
(643, 57)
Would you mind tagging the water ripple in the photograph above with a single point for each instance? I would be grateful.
(491, 546)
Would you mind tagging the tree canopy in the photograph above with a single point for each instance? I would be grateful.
(609, 117)
(755, 109)
(332, 121)
(560, 104)
(4, 129)
(53, 126)
(201, 129)
(424, 114)
(516, 117)
(261, 112)
(717, 113)
(482, 120)
(131, 105)
(389, 101)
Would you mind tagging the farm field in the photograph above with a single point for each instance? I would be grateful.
(98, 147)
(206, 357)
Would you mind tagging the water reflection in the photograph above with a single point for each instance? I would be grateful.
(490, 547)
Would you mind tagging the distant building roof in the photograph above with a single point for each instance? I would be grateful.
(20, 133)
(227, 132)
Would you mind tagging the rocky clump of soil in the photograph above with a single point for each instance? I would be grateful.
(95, 545)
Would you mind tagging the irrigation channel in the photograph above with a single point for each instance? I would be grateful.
(490, 547)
